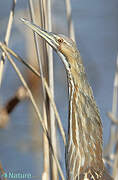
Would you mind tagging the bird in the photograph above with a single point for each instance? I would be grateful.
(84, 159)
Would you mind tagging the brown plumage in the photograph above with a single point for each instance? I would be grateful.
(84, 148)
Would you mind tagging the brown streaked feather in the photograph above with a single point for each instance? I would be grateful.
(92, 174)
(85, 133)
(84, 148)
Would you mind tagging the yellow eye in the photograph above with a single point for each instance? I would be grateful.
(60, 40)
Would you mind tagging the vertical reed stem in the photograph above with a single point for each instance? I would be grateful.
(51, 84)
(7, 36)
(45, 140)
(71, 32)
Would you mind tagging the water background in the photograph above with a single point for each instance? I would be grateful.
(96, 29)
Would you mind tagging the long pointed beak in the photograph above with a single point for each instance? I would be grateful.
(48, 36)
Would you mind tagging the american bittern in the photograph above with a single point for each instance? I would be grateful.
(84, 149)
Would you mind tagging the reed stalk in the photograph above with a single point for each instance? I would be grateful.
(46, 145)
(7, 37)
(51, 85)
(71, 31)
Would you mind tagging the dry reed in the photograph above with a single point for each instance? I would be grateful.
(7, 36)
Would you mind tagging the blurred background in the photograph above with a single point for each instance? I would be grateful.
(96, 31)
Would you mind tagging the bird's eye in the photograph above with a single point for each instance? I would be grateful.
(60, 40)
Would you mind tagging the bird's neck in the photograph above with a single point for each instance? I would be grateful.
(85, 128)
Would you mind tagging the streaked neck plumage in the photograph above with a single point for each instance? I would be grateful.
(85, 129)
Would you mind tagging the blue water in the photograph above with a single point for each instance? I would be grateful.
(96, 29)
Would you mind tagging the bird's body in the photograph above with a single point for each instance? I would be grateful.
(84, 147)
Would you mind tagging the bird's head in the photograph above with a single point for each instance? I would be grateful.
(64, 46)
